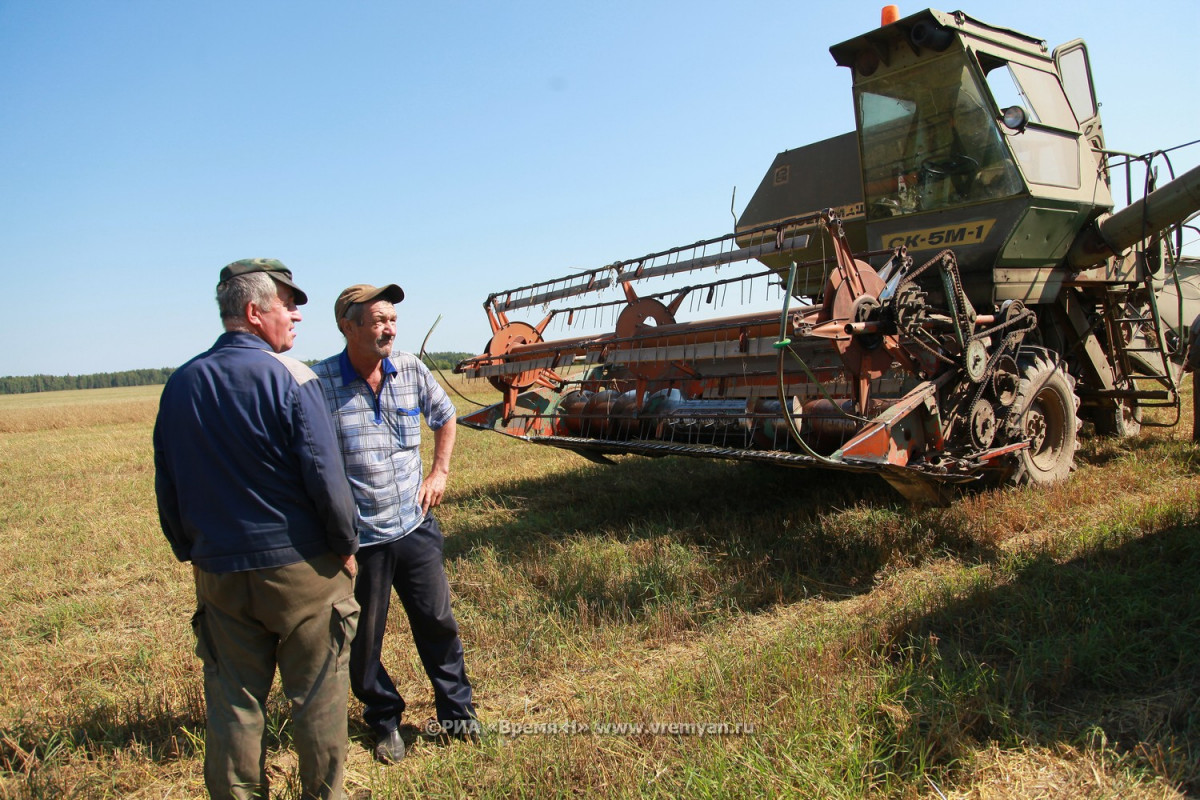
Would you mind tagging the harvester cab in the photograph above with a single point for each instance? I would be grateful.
(945, 164)
(942, 161)
(951, 286)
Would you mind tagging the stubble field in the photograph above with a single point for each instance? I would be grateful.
(661, 628)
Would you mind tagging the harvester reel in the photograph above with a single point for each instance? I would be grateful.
(507, 337)
(636, 316)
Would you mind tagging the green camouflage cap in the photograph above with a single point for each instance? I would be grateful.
(272, 266)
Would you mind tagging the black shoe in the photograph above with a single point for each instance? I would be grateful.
(390, 748)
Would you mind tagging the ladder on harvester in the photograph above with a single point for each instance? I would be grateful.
(1142, 370)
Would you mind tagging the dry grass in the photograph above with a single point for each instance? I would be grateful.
(1013, 644)
(1055, 773)
(82, 408)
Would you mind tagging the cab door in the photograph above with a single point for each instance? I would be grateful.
(1075, 71)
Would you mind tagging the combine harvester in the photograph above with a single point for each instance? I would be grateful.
(955, 294)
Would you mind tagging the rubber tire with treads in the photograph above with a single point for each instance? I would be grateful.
(1047, 409)
(1120, 420)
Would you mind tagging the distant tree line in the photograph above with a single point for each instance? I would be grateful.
(445, 360)
(24, 384)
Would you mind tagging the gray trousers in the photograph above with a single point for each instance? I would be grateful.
(302, 617)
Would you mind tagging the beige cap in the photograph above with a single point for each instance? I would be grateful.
(364, 293)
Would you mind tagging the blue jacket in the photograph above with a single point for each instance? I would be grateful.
(248, 471)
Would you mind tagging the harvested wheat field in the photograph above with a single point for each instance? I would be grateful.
(658, 628)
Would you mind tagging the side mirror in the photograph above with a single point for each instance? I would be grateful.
(1015, 118)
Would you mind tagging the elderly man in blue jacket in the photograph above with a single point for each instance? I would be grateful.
(251, 489)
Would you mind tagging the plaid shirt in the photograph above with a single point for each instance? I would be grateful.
(380, 437)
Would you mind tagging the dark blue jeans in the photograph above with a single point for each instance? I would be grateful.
(412, 565)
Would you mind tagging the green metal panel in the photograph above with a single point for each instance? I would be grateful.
(808, 180)
(1043, 235)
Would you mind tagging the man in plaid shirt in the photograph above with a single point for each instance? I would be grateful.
(377, 400)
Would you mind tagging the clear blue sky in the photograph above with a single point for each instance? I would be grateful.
(455, 148)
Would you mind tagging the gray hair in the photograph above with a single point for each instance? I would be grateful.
(355, 313)
(235, 293)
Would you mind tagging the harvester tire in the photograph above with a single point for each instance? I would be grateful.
(1047, 415)
(1120, 420)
